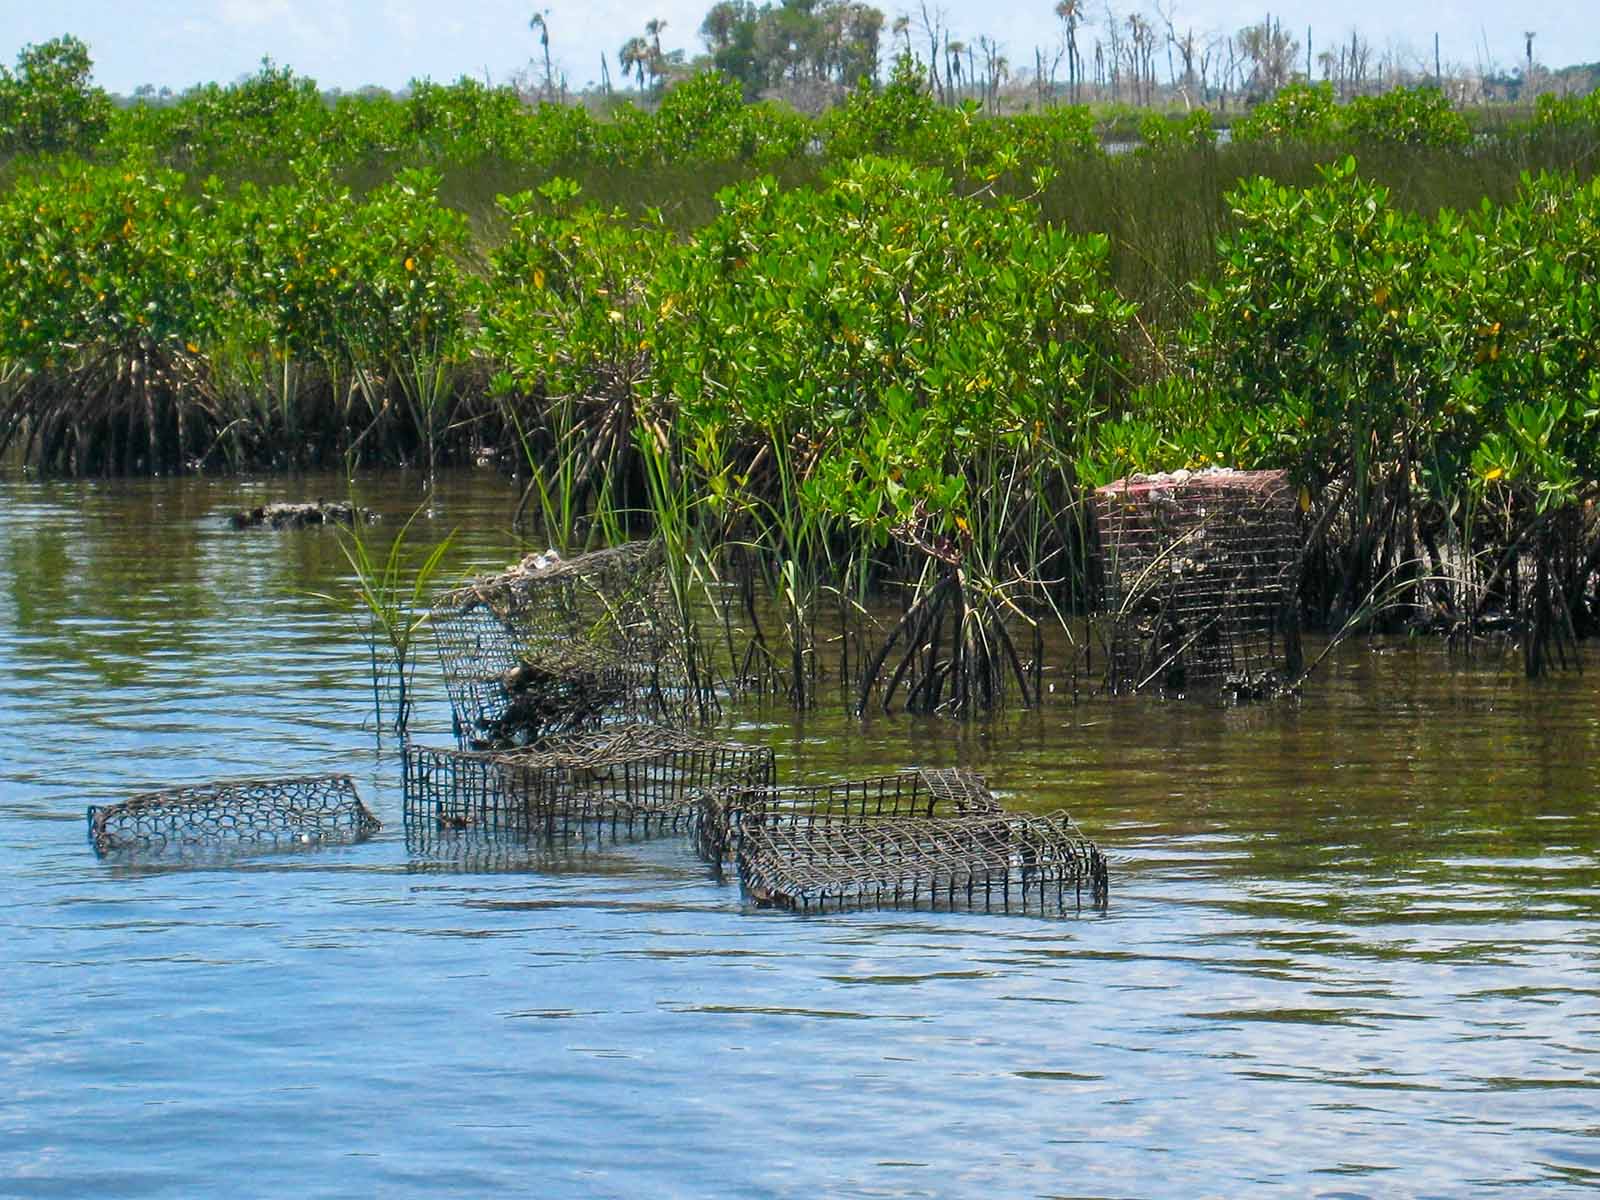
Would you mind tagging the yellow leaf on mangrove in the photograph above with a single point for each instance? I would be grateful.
(538, 277)
(1493, 473)
(1381, 296)
(411, 264)
(1305, 498)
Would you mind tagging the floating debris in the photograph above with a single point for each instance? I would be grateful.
(625, 780)
(308, 811)
(1198, 581)
(298, 516)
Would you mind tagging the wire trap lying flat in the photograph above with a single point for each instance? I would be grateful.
(919, 793)
(624, 779)
(311, 810)
(986, 862)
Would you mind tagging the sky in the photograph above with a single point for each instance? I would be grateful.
(350, 43)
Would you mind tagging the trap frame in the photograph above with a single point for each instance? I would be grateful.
(1198, 575)
(304, 811)
(720, 813)
(982, 862)
(623, 780)
(552, 646)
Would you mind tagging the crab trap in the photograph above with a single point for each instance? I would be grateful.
(313, 810)
(984, 862)
(1198, 580)
(552, 646)
(621, 781)
(721, 812)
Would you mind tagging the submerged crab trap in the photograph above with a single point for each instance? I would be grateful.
(984, 862)
(626, 780)
(721, 812)
(552, 646)
(1198, 580)
(314, 810)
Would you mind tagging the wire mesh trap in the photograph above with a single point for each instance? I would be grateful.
(1198, 575)
(552, 646)
(624, 780)
(720, 813)
(313, 810)
(980, 862)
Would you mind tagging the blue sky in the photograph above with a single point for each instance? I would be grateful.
(347, 43)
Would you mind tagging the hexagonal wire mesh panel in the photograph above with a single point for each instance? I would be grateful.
(245, 813)
(1198, 579)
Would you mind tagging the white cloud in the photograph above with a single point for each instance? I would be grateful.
(401, 19)
(257, 14)
(295, 20)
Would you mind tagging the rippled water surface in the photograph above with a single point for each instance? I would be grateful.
(1352, 947)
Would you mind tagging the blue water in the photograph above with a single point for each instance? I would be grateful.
(1352, 947)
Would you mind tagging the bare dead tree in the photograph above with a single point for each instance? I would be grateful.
(1114, 51)
(933, 26)
(995, 69)
(1040, 75)
(1360, 58)
(1070, 14)
(1271, 53)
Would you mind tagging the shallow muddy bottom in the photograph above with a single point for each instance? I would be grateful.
(1352, 946)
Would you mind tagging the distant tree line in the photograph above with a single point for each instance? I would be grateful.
(1102, 52)
(795, 41)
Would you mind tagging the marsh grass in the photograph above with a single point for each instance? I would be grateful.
(389, 600)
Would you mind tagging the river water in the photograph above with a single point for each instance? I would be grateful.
(1352, 948)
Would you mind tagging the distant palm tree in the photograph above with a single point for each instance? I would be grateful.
(539, 22)
(634, 56)
(1070, 14)
(902, 28)
(652, 30)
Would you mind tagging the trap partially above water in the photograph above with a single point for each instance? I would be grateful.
(984, 862)
(915, 839)
(621, 780)
(720, 813)
(1198, 576)
(551, 646)
(306, 811)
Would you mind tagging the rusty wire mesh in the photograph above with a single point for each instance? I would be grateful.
(553, 646)
(1198, 577)
(985, 861)
(621, 781)
(312, 810)
(719, 812)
